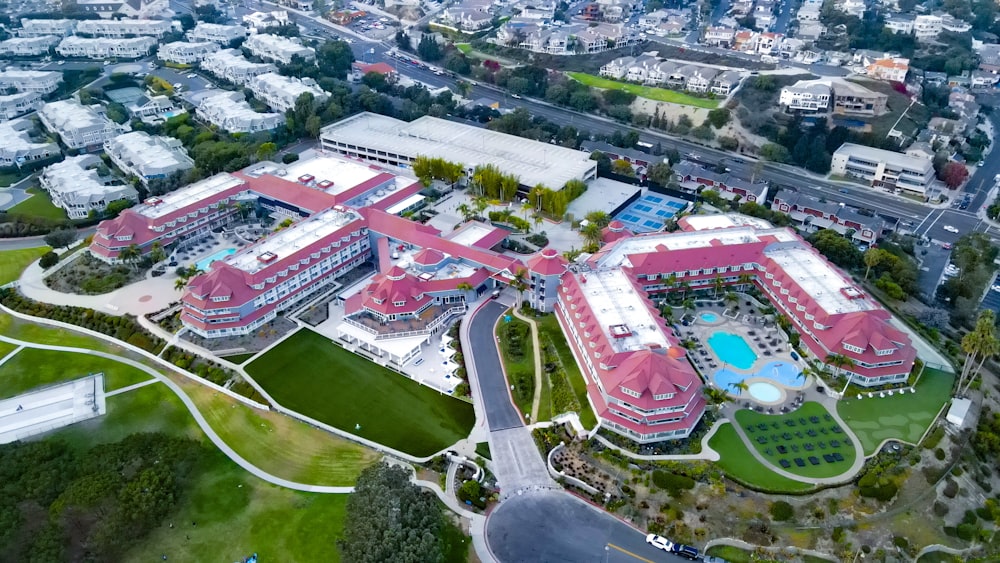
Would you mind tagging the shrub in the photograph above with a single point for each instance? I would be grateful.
(966, 531)
(883, 491)
(781, 511)
(940, 509)
(934, 438)
(900, 542)
(48, 260)
(939, 454)
(289, 158)
(838, 534)
(951, 488)
(673, 483)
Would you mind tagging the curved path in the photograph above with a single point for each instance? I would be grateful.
(202, 423)
(537, 399)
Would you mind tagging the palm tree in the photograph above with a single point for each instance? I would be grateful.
(591, 233)
(536, 195)
(536, 218)
(685, 287)
(526, 208)
(180, 284)
(717, 283)
(745, 279)
(466, 211)
(519, 283)
(731, 298)
(716, 396)
(244, 208)
(990, 348)
(156, 254)
(838, 361)
(688, 305)
(739, 386)
(130, 254)
(981, 343)
(480, 203)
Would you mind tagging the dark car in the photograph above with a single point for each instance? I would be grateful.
(685, 551)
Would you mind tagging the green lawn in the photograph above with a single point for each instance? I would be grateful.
(6, 349)
(8, 178)
(520, 371)
(465, 48)
(648, 92)
(41, 334)
(735, 554)
(483, 449)
(900, 417)
(238, 358)
(797, 431)
(548, 324)
(309, 374)
(32, 368)
(279, 444)
(38, 205)
(13, 262)
(737, 462)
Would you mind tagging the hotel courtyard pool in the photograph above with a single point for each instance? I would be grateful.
(764, 392)
(732, 349)
(204, 263)
(785, 374)
(709, 317)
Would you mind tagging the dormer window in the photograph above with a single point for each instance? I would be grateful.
(399, 303)
(630, 392)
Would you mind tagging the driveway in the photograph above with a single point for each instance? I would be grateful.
(500, 413)
(555, 526)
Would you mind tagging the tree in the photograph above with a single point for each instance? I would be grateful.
(591, 233)
(954, 174)
(838, 361)
(466, 211)
(130, 254)
(519, 283)
(156, 253)
(739, 386)
(981, 342)
(719, 117)
(61, 238)
(390, 519)
(266, 150)
(622, 168)
(600, 218)
(48, 260)
(873, 257)
(403, 41)
(659, 173)
(428, 48)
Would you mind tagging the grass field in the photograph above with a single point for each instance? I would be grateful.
(548, 324)
(32, 368)
(792, 431)
(280, 444)
(13, 262)
(901, 417)
(238, 358)
(40, 334)
(465, 48)
(648, 92)
(309, 374)
(38, 205)
(8, 178)
(520, 372)
(737, 462)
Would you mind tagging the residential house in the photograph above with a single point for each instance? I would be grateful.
(216, 33)
(693, 177)
(719, 36)
(883, 169)
(79, 126)
(106, 48)
(28, 46)
(19, 103)
(185, 53)
(31, 27)
(814, 214)
(147, 157)
(277, 48)
(41, 81)
(76, 186)
(230, 112)
(232, 66)
(891, 69)
(18, 147)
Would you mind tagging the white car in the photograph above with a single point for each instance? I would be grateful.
(951, 229)
(996, 288)
(660, 542)
(192, 75)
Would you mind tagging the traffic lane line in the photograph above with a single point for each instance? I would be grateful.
(630, 554)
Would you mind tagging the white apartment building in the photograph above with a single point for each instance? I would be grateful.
(185, 53)
(263, 20)
(28, 46)
(37, 28)
(20, 103)
(900, 23)
(927, 26)
(231, 65)
(805, 96)
(147, 157)
(883, 169)
(124, 28)
(230, 112)
(43, 82)
(216, 33)
(75, 185)
(277, 48)
(891, 69)
(280, 92)
(77, 125)
(106, 48)
(16, 146)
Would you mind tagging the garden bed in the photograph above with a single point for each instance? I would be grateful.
(87, 275)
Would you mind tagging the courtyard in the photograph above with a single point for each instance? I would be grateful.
(310, 374)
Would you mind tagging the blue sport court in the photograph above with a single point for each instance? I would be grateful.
(649, 212)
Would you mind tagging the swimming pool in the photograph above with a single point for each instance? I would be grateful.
(783, 373)
(205, 263)
(709, 317)
(764, 392)
(732, 349)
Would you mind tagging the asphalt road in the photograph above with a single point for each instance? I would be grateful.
(555, 526)
(500, 412)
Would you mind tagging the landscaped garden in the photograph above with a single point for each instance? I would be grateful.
(311, 375)
(89, 276)
(13, 262)
(551, 335)
(741, 466)
(807, 441)
(518, 354)
(38, 205)
(901, 416)
(648, 92)
(33, 367)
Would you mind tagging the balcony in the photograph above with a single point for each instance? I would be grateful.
(424, 323)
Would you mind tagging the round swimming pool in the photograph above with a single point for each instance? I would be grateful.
(764, 392)
(709, 317)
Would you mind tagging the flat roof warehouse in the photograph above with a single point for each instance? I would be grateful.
(385, 139)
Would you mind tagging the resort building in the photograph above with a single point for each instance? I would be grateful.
(216, 33)
(814, 214)
(17, 147)
(106, 48)
(15, 105)
(79, 126)
(695, 178)
(883, 168)
(277, 48)
(184, 53)
(379, 138)
(43, 82)
(41, 27)
(231, 65)
(147, 157)
(230, 112)
(76, 186)
(117, 29)
(27, 46)
(281, 92)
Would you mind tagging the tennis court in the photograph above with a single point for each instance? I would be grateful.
(650, 212)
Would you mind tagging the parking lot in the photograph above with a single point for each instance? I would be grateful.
(992, 298)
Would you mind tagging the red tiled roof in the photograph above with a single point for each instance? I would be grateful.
(303, 197)
(428, 257)
(393, 287)
(381, 68)
(547, 262)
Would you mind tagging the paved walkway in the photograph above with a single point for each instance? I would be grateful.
(537, 399)
(707, 453)
(131, 387)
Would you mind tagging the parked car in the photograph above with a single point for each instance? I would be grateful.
(660, 542)
(950, 229)
(685, 551)
(714, 559)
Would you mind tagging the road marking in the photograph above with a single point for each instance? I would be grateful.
(934, 222)
(629, 553)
